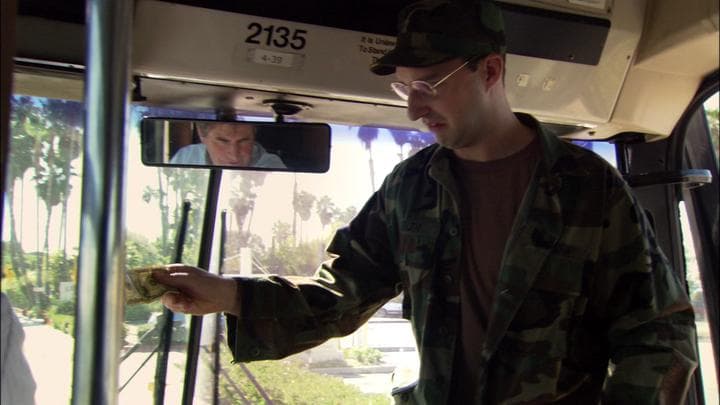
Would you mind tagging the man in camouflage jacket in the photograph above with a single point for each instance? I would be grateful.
(582, 283)
(586, 307)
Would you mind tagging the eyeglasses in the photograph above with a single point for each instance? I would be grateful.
(421, 86)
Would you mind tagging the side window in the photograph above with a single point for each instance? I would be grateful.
(712, 108)
(697, 297)
(41, 236)
(605, 149)
(694, 278)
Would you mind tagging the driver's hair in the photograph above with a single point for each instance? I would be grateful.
(203, 127)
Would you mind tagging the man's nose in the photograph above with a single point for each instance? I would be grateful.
(416, 106)
(235, 150)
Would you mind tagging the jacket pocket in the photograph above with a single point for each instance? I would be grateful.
(541, 325)
(417, 248)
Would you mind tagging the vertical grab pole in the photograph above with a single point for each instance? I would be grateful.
(218, 316)
(206, 239)
(101, 256)
(168, 315)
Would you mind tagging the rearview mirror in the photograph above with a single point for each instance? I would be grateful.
(270, 146)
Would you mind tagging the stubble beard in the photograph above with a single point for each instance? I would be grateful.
(452, 139)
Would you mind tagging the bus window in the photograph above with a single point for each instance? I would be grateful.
(264, 234)
(606, 150)
(712, 107)
(697, 296)
(39, 260)
(40, 247)
(696, 285)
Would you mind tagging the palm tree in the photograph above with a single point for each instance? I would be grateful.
(326, 210)
(189, 186)
(345, 216)
(302, 205)
(57, 144)
(243, 203)
(69, 116)
(160, 193)
(367, 135)
(401, 138)
(24, 117)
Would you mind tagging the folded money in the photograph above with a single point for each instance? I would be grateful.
(141, 287)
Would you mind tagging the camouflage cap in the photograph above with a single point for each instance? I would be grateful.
(434, 31)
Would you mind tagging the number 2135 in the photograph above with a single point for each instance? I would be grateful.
(280, 36)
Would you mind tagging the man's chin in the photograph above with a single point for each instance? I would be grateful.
(442, 137)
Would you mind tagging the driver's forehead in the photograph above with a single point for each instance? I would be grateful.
(231, 131)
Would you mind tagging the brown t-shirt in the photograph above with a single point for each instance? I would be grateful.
(491, 195)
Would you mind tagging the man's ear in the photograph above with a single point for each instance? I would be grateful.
(494, 66)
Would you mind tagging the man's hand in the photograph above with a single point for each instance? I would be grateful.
(198, 292)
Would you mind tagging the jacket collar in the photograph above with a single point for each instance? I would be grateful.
(537, 228)
(555, 160)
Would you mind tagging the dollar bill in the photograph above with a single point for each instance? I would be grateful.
(141, 287)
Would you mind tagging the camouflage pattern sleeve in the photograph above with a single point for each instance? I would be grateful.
(651, 332)
(285, 315)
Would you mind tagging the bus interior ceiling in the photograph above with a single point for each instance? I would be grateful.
(605, 67)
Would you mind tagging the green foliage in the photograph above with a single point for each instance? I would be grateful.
(285, 258)
(25, 116)
(59, 268)
(64, 307)
(286, 382)
(364, 355)
(17, 292)
(714, 124)
(140, 252)
(62, 322)
(303, 203)
(61, 315)
(326, 210)
(183, 185)
(142, 330)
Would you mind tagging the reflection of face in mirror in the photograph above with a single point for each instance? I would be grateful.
(227, 144)
(238, 145)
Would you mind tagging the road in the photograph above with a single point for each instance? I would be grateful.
(49, 353)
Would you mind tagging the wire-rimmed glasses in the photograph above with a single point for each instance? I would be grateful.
(421, 86)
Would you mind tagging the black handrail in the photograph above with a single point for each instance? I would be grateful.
(218, 317)
(139, 368)
(690, 178)
(166, 331)
(193, 347)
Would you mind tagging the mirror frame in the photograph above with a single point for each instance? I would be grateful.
(307, 159)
